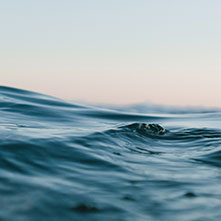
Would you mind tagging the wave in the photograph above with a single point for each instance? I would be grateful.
(81, 162)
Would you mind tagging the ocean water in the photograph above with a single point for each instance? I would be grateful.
(65, 161)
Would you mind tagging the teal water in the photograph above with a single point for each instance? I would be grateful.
(65, 161)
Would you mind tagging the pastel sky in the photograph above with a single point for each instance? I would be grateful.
(114, 51)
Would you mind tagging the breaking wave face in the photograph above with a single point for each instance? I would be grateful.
(64, 161)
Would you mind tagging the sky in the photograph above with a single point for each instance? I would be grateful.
(114, 52)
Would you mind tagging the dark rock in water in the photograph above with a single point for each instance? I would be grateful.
(128, 197)
(153, 128)
(117, 153)
(82, 208)
(147, 128)
(190, 194)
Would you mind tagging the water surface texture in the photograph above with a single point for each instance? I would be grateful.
(64, 161)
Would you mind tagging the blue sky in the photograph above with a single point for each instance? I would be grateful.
(165, 52)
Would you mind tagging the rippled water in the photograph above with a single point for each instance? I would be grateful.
(62, 161)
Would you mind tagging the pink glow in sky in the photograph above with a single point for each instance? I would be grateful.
(120, 52)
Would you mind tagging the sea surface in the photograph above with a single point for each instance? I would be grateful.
(65, 161)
